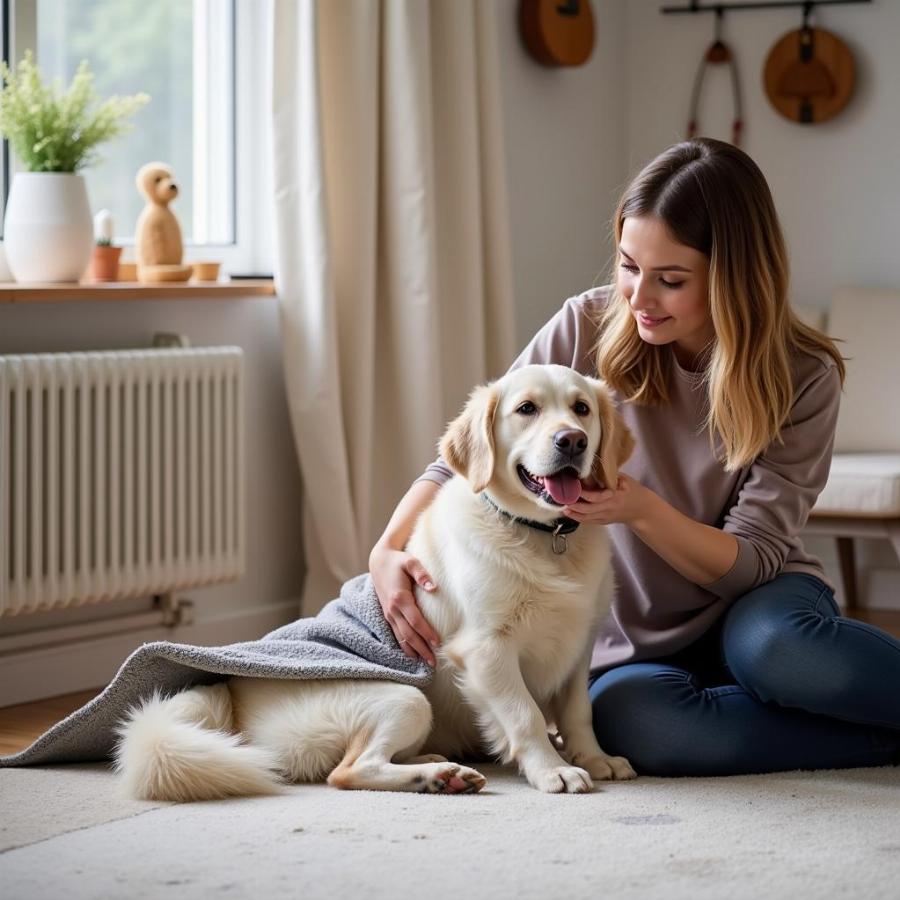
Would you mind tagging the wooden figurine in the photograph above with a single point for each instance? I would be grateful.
(157, 239)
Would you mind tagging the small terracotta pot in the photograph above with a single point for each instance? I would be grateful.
(105, 263)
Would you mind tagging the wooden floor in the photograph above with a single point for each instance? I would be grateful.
(20, 725)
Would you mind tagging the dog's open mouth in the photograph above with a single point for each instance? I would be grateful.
(562, 488)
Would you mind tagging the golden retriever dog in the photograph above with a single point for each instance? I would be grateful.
(518, 599)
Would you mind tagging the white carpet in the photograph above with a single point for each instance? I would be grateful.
(796, 835)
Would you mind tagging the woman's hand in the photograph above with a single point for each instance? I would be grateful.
(628, 503)
(394, 573)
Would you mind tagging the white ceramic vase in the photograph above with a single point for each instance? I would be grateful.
(48, 230)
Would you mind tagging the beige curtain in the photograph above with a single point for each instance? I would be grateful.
(392, 249)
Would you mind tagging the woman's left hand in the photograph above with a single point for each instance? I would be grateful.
(626, 504)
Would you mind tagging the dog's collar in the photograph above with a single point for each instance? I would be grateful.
(559, 529)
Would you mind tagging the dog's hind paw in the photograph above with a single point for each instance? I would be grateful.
(450, 778)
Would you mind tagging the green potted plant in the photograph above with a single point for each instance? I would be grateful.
(48, 230)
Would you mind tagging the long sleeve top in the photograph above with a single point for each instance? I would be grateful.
(656, 611)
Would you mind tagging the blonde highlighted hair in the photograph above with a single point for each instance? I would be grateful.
(712, 197)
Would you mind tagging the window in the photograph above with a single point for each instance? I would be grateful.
(183, 54)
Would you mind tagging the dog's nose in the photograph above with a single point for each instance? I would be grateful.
(571, 441)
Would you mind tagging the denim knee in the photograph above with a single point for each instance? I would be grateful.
(639, 713)
(766, 636)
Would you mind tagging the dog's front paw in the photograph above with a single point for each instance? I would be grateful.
(608, 768)
(561, 780)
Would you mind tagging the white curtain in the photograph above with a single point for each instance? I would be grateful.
(392, 258)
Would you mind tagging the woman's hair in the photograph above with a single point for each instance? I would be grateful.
(712, 197)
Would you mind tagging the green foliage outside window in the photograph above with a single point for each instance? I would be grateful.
(133, 46)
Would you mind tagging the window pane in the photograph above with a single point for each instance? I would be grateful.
(134, 46)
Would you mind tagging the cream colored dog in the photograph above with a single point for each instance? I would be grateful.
(516, 607)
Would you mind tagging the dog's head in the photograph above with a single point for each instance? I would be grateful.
(533, 436)
(156, 183)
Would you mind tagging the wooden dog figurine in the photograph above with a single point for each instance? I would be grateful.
(158, 244)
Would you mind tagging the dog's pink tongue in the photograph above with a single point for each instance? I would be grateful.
(564, 488)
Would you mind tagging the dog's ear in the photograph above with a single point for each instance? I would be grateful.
(468, 442)
(616, 441)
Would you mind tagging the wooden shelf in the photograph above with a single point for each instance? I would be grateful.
(11, 292)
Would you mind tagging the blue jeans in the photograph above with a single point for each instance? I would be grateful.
(780, 682)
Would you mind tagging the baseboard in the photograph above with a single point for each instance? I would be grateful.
(51, 671)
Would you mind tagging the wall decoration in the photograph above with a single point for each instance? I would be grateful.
(557, 32)
(718, 53)
(808, 75)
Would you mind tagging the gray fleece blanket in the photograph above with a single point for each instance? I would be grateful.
(349, 638)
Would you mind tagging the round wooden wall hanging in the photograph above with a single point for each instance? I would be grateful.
(809, 75)
(557, 32)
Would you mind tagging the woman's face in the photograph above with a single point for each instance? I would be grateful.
(666, 285)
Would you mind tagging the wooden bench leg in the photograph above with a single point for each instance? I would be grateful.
(893, 530)
(848, 572)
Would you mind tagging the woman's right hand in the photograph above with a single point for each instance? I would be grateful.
(394, 573)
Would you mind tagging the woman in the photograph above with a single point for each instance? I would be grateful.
(724, 652)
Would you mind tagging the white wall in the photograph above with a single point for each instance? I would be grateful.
(565, 148)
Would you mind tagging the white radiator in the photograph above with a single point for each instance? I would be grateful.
(121, 474)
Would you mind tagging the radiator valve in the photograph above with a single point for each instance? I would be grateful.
(175, 610)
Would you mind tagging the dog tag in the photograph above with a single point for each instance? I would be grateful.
(560, 541)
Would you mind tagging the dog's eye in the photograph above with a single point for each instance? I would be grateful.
(527, 408)
(158, 179)
(581, 408)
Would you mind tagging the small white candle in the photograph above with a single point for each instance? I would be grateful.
(103, 225)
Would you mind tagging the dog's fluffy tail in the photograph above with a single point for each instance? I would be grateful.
(181, 748)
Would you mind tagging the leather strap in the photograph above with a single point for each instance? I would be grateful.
(717, 53)
(562, 525)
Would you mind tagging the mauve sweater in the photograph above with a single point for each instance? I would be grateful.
(656, 611)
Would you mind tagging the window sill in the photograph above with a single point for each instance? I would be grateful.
(11, 292)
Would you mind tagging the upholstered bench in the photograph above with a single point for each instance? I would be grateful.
(862, 495)
(861, 499)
